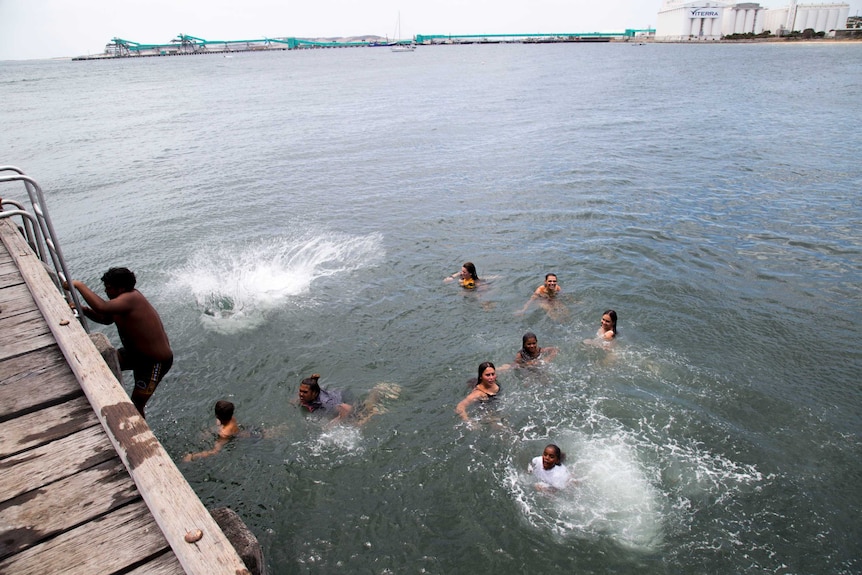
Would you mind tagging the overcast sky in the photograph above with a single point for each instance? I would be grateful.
(58, 28)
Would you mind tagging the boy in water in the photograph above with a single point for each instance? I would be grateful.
(228, 428)
(547, 296)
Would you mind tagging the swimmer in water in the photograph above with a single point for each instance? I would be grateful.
(548, 468)
(486, 389)
(228, 428)
(374, 403)
(531, 354)
(548, 297)
(313, 398)
(607, 332)
(467, 278)
(608, 327)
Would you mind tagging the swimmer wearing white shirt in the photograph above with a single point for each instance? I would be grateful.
(549, 469)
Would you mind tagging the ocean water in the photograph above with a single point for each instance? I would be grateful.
(296, 212)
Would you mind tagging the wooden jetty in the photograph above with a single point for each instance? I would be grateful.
(85, 487)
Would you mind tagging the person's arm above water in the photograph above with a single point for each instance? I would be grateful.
(536, 295)
(220, 442)
(526, 305)
(461, 408)
(225, 434)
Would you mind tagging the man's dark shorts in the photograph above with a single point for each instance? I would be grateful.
(148, 373)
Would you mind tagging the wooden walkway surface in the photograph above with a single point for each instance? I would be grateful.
(85, 487)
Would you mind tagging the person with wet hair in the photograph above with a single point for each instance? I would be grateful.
(313, 398)
(608, 328)
(146, 349)
(548, 468)
(467, 278)
(546, 294)
(486, 389)
(531, 354)
(228, 428)
(607, 332)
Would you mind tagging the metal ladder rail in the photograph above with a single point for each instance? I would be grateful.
(47, 235)
(32, 232)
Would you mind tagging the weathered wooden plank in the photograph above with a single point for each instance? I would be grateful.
(174, 505)
(10, 277)
(54, 461)
(120, 539)
(22, 333)
(9, 274)
(38, 378)
(46, 425)
(36, 515)
(166, 564)
(16, 299)
(6, 260)
(32, 363)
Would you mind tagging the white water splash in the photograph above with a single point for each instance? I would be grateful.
(236, 287)
(344, 438)
(612, 495)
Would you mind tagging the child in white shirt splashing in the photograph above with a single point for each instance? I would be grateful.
(549, 469)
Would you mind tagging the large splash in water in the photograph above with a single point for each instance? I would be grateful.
(611, 495)
(235, 287)
(637, 483)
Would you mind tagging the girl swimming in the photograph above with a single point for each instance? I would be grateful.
(607, 332)
(531, 353)
(468, 278)
(486, 389)
(549, 469)
(608, 328)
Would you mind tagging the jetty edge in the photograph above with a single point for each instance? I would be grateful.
(33, 469)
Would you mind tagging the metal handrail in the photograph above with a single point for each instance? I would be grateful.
(40, 234)
(32, 232)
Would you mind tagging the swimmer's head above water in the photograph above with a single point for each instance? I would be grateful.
(224, 411)
(487, 374)
(530, 343)
(551, 285)
(552, 456)
(309, 389)
(468, 272)
(609, 321)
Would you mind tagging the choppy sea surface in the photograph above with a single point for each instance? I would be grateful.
(296, 212)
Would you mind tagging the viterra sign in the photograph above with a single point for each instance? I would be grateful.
(703, 13)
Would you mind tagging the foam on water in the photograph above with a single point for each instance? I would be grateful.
(343, 438)
(612, 496)
(236, 287)
(639, 478)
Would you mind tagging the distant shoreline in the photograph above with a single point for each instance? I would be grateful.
(783, 41)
